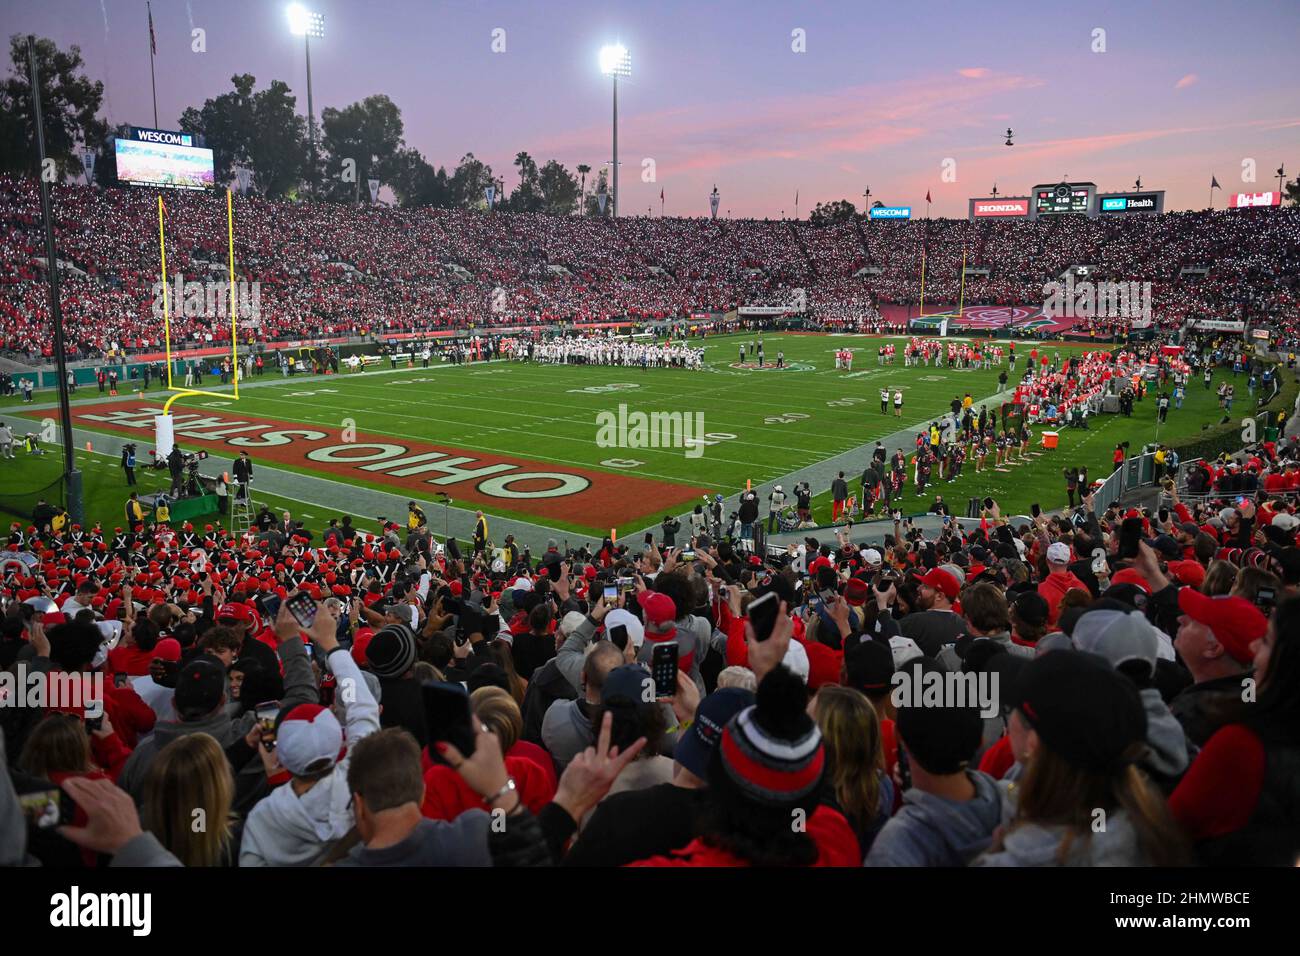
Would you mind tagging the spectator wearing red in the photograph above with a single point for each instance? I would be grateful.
(1059, 580)
(1240, 798)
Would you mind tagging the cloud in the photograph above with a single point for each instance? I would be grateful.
(1186, 81)
(974, 72)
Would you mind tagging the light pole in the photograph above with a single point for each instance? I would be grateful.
(306, 24)
(615, 61)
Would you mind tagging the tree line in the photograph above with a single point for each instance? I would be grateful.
(262, 131)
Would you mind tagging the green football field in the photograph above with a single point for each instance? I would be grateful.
(525, 441)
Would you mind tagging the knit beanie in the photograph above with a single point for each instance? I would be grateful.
(772, 751)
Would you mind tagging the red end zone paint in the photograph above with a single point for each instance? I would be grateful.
(578, 496)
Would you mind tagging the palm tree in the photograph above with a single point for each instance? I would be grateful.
(583, 168)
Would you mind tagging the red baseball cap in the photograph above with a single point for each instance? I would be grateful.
(1130, 576)
(856, 590)
(1234, 621)
(1190, 573)
(941, 580)
(658, 608)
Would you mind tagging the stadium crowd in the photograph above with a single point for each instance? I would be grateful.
(971, 697)
(324, 269)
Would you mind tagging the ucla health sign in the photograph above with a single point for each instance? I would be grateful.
(1122, 203)
(891, 212)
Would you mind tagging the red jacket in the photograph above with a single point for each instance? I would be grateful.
(836, 846)
(447, 795)
(129, 660)
(1053, 588)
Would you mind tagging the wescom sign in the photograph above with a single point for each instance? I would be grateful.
(577, 495)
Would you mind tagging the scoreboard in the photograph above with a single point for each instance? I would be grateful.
(1057, 199)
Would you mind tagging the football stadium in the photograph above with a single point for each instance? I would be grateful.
(384, 504)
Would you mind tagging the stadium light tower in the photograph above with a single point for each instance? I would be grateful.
(615, 61)
(306, 24)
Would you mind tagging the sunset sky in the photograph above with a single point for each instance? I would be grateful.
(881, 97)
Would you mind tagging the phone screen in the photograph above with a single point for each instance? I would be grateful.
(618, 636)
(447, 716)
(611, 593)
(270, 607)
(663, 667)
(762, 616)
(1130, 534)
(266, 713)
(303, 609)
(47, 808)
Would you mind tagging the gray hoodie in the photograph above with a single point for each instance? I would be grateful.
(933, 831)
(1166, 741)
(566, 731)
(1033, 844)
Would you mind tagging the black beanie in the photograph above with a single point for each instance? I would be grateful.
(941, 739)
(1081, 708)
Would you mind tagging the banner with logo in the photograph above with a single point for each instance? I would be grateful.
(601, 197)
(88, 164)
(1219, 325)
(890, 212)
(374, 191)
(713, 205)
(1247, 200)
(984, 208)
(244, 176)
(490, 193)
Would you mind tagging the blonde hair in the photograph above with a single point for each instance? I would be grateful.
(496, 708)
(855, 752)
(736, 676)
(1220, 576)
(187, 797)
(58, 744)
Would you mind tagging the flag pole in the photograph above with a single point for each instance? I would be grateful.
(153, 85)
(961, 296)
(922, 315)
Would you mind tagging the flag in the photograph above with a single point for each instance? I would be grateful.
(796, 197)
(153, 46)
(927, 195)
(661, 195)
(1214, 183)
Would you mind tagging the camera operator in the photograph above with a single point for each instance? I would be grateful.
(176, 467)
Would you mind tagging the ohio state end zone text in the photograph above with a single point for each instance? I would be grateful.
(580, 496)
